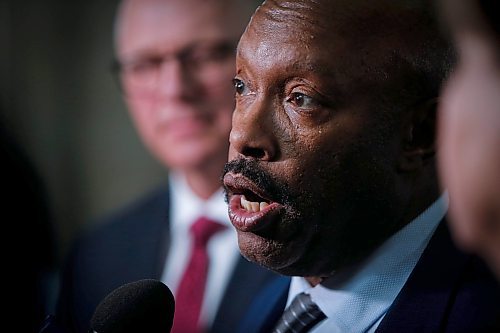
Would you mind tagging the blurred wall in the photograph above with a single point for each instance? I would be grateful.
(66, 111)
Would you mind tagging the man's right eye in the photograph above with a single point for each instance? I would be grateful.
(239, 86)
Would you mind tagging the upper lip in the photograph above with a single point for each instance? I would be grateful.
(239, 184)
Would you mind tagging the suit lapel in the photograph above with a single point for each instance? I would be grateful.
(163, 218)
(267, 307)
(246, 281)
(423, 303)
(151, 239)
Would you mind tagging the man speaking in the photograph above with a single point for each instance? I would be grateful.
(332, 178)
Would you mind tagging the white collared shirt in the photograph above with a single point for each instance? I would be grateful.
(359, 303)
(185, 208)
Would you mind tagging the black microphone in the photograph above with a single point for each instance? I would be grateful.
(142, 306)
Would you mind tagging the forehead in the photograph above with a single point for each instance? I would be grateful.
(312, 36)
(356, 40)
(282, 36)
(295, 22)
(168, 25)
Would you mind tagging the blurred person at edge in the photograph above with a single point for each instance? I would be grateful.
(32, 259)
(175, 61)
(469, 127)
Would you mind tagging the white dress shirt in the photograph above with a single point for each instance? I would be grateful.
(356, 301)
(185, 208)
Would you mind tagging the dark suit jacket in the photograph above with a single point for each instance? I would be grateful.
(448, 291)
(131, 246)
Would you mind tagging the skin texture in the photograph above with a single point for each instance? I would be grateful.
(186, 119)
(333, 129)
(469, 126)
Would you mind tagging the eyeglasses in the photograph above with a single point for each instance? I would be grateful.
(202, 62)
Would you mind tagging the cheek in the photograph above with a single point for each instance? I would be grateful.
(222, 104)
(330, 180)
(143, 118)
(310, 160)
(222, 96)
(221, 90)
(224, 118)
(315, 185)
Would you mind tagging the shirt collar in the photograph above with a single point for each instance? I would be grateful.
(357, 303)
(186, 206)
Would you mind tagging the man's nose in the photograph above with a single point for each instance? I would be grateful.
(174, 80)
(253, 132)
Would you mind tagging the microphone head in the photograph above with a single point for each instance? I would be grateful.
(142, 306)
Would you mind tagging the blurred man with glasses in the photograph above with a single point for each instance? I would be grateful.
(175, 60)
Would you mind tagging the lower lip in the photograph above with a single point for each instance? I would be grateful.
(247, 221)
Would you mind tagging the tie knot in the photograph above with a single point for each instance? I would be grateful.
(203, 228)
(302, 315)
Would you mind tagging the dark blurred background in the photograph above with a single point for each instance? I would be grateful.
(61, 105)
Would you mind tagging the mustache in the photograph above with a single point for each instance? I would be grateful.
(251, 169)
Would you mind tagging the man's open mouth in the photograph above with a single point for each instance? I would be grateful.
(251, 205)
(250, 208)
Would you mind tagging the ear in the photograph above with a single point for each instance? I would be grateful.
(419, 137)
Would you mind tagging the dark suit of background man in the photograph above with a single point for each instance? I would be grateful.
(333, 140)
(176, 63)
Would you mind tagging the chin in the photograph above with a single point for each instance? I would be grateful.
(273, 255)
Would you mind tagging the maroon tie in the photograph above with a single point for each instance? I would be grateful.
(189, 296)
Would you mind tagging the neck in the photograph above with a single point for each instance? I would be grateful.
(313, 280)
(425, 191)
(422, 192)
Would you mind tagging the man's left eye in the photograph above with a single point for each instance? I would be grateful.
(239, 86)
(302, 100)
